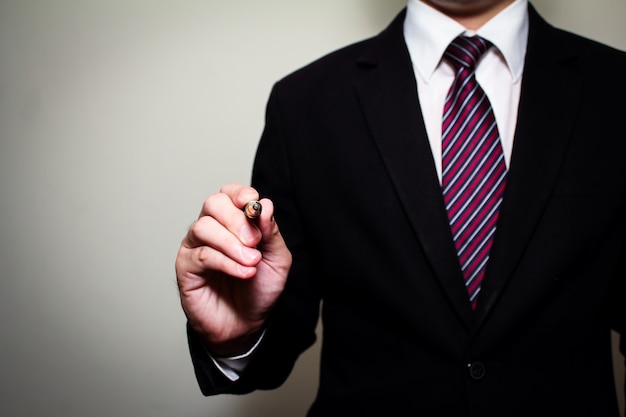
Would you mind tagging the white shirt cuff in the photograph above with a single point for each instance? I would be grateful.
(233, 366)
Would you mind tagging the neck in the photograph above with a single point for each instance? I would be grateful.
(472, 14)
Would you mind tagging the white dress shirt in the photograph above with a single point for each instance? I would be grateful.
(428, 33)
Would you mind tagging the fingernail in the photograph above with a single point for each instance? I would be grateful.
(244, 270)
(248, 234)
(249, 254)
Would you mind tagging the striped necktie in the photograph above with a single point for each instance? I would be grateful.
(474, 171)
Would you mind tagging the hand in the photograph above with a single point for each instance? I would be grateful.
(231, 270)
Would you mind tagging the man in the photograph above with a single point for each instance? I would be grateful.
(356, 159)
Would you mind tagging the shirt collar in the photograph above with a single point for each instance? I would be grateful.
(428, 32)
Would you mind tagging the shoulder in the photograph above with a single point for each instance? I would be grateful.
(592, 50)
(546, 40)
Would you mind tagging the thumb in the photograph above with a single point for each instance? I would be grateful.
(272, 244)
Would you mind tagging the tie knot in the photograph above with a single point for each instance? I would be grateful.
(465, 51)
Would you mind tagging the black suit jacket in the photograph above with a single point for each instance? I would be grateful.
(346, 159)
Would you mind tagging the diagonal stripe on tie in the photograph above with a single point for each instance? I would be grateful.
(474, 171)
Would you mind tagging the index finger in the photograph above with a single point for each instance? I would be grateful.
(240, 194)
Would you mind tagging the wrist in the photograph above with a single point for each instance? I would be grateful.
(229, 338)
(233, 347)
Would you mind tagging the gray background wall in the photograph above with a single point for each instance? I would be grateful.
(117, 119)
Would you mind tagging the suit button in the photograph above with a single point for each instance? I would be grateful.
(476, 370)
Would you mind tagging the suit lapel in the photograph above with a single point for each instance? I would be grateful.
(388, 95)
(547, 108)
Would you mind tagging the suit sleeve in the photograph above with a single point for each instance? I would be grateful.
(291, 328)
(617, 303)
